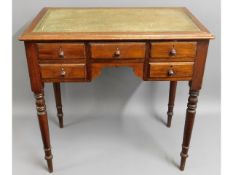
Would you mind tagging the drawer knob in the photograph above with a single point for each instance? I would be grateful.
(63, 72)
(173, 52)
(117, 52)
(61, 53)
(170, 73)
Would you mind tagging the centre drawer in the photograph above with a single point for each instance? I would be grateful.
(63, 71)
(118, 50)
(61, 51)
(173, 49)
(171, 70)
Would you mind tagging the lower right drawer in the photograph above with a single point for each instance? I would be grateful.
(171, 70)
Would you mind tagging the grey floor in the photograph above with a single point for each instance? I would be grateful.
(133, 140)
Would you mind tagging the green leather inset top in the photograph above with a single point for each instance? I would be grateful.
(116, 20)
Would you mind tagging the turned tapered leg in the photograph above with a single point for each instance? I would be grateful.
(57, 94)
(172, 95)
(190, 116)
(44, 128)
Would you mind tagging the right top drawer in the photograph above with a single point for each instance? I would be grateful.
(173, 49)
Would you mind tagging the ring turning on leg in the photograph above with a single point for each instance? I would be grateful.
(44, 128)
(190, 116)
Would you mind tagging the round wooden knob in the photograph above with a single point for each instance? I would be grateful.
(117, 52)
(170, 72)
(61, 53)
(173, 52)
(63, 72)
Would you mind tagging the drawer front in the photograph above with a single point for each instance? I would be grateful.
(61, 51)
(171, 70)
(63, 71)
(117, 50)
(173, 49)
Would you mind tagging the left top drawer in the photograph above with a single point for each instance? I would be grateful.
(61, 51)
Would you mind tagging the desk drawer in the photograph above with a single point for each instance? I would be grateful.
(61, 50)
(118, 50)
(173, 49)
(63, 71)
(171, 70)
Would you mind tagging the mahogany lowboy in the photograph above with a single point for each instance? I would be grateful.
(75, 44)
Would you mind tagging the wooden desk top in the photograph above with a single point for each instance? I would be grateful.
(115, 23)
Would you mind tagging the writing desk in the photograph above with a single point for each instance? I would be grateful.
(75, 44)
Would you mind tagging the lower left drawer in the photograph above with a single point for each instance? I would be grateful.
(63, 71)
